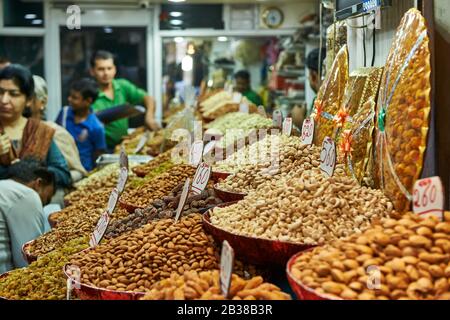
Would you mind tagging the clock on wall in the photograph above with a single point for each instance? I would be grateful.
(273, 17)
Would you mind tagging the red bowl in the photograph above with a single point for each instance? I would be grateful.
(88, 292)
(302, 291)
(26, 252)
(255, 250)
(217, 176)
(227, 196)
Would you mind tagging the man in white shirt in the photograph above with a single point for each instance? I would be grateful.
(22, 196)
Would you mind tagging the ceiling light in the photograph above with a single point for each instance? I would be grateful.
(176, 0)
(36, 21)
(175, 14)
(108, 30)
(30, 16)
(222, 39)
(178, 39)
(176, 22)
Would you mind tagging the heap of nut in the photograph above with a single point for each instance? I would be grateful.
(309, 209)
(206, 286)
(43, 279)
(288, 156)
(143, 169)
(407, 258)
(157, 187)
(163, 208)
(136, 260)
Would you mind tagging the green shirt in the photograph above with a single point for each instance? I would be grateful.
(124, 92)
(253, 97)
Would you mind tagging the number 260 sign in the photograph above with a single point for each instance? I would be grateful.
(428, 197)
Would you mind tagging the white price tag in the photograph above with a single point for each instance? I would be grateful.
(122, 181)
(99, 230)
(201, 178)
(209, 147)
(262, 111)
(308, 131)
(244, 108)
(226, 268)
(428, 197)
(123, 159)
(196, 153)
(142, 142)
(328, 157)
(183, 197)
(237, 97)
(277, 118)
(287, 126)
(112, 202)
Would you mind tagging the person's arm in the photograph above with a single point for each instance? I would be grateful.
(99, 141)
(58, 165)
(25, 222)
(150, 121)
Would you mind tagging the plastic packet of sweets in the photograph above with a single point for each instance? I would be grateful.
(403, 111)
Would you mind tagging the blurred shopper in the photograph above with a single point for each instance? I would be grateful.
(21, 137)
(242, 85)
(82, 123)
(115, 92)
(29, 187)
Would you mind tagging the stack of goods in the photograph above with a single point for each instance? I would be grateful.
(206, 286)
(221, 104)
(136, 260)
(410, 259)
(145, 169)
(153, 145)
(336, 39)
(403, 113)
(330, 97)
(156, 188)
(287, 156)
(309, 209)
(43, 279)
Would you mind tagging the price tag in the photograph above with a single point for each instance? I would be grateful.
(328, 157)
(196, 153)
(308, 131)
(112, 202)
(99, 230)
(244, 108)
(237, 97)
(201, 178)
(123, 159)
(183, 198)
(277, 118)
(122, 181)
(226, 268)
(209, 146)
(142, 141)
(287, 126)
(428, 197)
(262, 111)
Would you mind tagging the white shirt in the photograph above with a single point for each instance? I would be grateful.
(21, 220)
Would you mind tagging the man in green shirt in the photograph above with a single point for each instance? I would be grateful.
(115, 92)
(242, 79)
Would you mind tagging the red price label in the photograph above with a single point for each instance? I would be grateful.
(287, 126)
(308, 132)
(243, 107)
(328, 157)
(183, 198)
(112, 202)
(196, 153)
(226, 268)
(277, 118)
(123, 177)
(201, 178)
(123, 159)
(99, 230)
(428, 197)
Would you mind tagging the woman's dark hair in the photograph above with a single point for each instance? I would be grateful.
(21, 76)
(101, 55)
(30, 169)
(88, 88)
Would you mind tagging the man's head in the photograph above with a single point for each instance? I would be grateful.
(103, 68)
(33, 174)
(242, 81)
(4, 62)
(82, 94)
(312, 62)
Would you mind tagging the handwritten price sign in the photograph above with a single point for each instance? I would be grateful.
(123, 177)
(226, 268)
(112, 202)
(184, 195)
(99, 230)
(287, 126)
(328, 157)
(308, 132)
(428, 197)
(277, 118)
(244, 108)
(237, 97)
(123, 160)
(201, 178)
